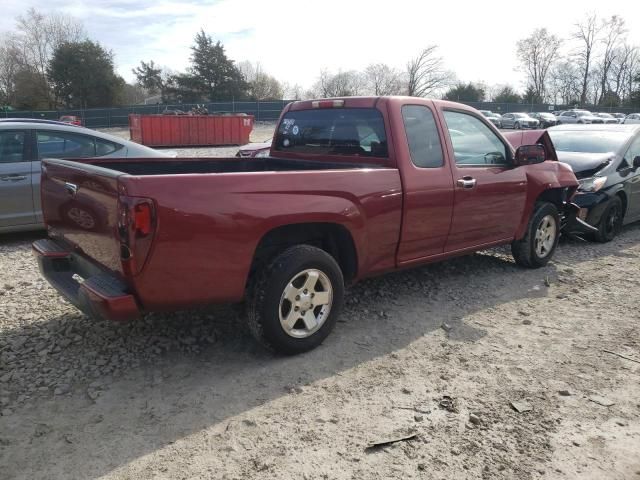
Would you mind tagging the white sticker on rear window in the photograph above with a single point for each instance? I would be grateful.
(295, 130)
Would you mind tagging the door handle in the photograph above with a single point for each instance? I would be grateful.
(466, 182)
(13, 178)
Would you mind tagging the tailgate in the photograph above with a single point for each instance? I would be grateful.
(80, 205)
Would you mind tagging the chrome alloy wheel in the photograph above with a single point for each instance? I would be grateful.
(305, 303)
(545, 236)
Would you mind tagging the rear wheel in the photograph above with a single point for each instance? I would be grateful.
(295, 300)
(536, 248)
(611, 221)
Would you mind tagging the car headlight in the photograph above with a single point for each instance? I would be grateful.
(592, 184)
(263, 153)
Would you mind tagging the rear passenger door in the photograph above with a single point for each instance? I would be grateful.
(427, 184)
(489, 193)
(16, 198)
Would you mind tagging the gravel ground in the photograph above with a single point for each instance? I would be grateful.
(262, 132)
(440, 352)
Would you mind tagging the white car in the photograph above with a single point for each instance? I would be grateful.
(631, 119)
(578, 116)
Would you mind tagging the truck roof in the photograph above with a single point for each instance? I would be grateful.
(371, 101)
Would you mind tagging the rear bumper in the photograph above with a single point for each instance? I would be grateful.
(95, 291)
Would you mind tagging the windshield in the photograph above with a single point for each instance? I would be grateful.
(520, 115)
(604, 115)
(588, 141)
(333, 131)
(584, 114)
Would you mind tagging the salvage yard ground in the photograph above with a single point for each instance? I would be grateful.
(442, 356)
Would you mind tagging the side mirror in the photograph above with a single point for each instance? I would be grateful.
(529, 155)
(636, 162)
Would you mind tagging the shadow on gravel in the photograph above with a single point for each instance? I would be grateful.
(170, 376)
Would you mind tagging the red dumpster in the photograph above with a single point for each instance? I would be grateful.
(190, 130)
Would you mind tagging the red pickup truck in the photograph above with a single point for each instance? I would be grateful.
(352, 188)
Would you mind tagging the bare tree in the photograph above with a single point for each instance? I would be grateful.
(9, 69)
(586, 34)
(341, 84)
(565, 83)
(426, 74)
(614, 31)
(262, 86)
(38, 35)
(383, 80)
(537, 54)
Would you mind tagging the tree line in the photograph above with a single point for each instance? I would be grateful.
(49, 61)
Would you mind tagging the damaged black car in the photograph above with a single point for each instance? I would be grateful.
(606, 162)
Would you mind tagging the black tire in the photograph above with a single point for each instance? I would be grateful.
(610, 222)
(516, 125)
(524, 251)
(266, 293)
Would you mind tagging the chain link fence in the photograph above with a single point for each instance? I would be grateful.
(119, 117)
(262, 111)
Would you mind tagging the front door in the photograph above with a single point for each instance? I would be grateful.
(633, 181)
(16, 198)
(489, 193)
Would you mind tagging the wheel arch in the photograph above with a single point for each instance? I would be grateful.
(333, 238)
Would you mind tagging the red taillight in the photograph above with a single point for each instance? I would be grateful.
(327, 103)
(142, 219)
(136, 225)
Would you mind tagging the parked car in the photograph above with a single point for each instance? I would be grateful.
(578, 116)
(71, 120)
(632, 119)
(353, 187)
(24, 143)
(619, 117)
(494, 118)
(546, 119)
(607, 118)
(519, 120)
(252, 150)
(606, 161)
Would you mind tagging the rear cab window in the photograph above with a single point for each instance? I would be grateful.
(333, 131)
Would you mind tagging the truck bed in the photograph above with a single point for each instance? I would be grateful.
(153, 166)
(209, 215)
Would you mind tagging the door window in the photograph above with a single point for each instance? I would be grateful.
(105, 147)
(473, 142)
(12, 146)
(54, 144)
(422, 136)
(633, 152)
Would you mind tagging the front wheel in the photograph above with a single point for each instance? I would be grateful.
(611, 221)
(517, 126)
(295, 300)
(536, 248)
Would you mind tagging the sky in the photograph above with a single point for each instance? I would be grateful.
(295, 40)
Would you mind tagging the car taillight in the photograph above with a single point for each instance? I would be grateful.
(327, 103)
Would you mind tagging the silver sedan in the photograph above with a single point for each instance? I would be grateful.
(24, 142)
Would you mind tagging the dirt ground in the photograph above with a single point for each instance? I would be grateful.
(438, 352)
